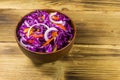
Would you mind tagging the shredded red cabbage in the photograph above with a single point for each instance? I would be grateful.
(41, 31)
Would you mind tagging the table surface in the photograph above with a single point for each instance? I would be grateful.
(94, 56)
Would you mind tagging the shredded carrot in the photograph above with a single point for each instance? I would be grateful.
(31, 31)
(55, 18)
(43, 17)
(61, 26)
(47, 42)
(30, 41)
(54, 34)
(26, 30)
(37, 36)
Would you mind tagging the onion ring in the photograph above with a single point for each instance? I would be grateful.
(47, 31)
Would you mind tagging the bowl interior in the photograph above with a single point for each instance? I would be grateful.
(49, 11)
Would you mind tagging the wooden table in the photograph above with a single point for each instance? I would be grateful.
(94, 56)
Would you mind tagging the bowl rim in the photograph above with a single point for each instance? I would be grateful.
(44, 53)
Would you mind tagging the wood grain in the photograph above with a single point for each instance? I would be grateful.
(94, 56)
(92, 27)
(85, 62)
(84, 5)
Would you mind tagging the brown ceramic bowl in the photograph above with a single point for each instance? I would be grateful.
(42, 57)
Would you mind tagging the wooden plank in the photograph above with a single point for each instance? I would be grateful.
(83, 5)
(86, 62)
(94, 70)
(77, 50)
(92, 27)
(95, 56)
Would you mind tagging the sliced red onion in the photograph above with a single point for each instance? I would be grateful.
(36, 25)
(56, 22)
(47, 31)
(36, 21)
(21, 42)
(29, 31)
(27, 24)
(25, 45)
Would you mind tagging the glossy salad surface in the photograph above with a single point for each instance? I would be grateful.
(40, 31)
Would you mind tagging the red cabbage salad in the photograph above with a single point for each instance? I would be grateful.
(40, 31)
